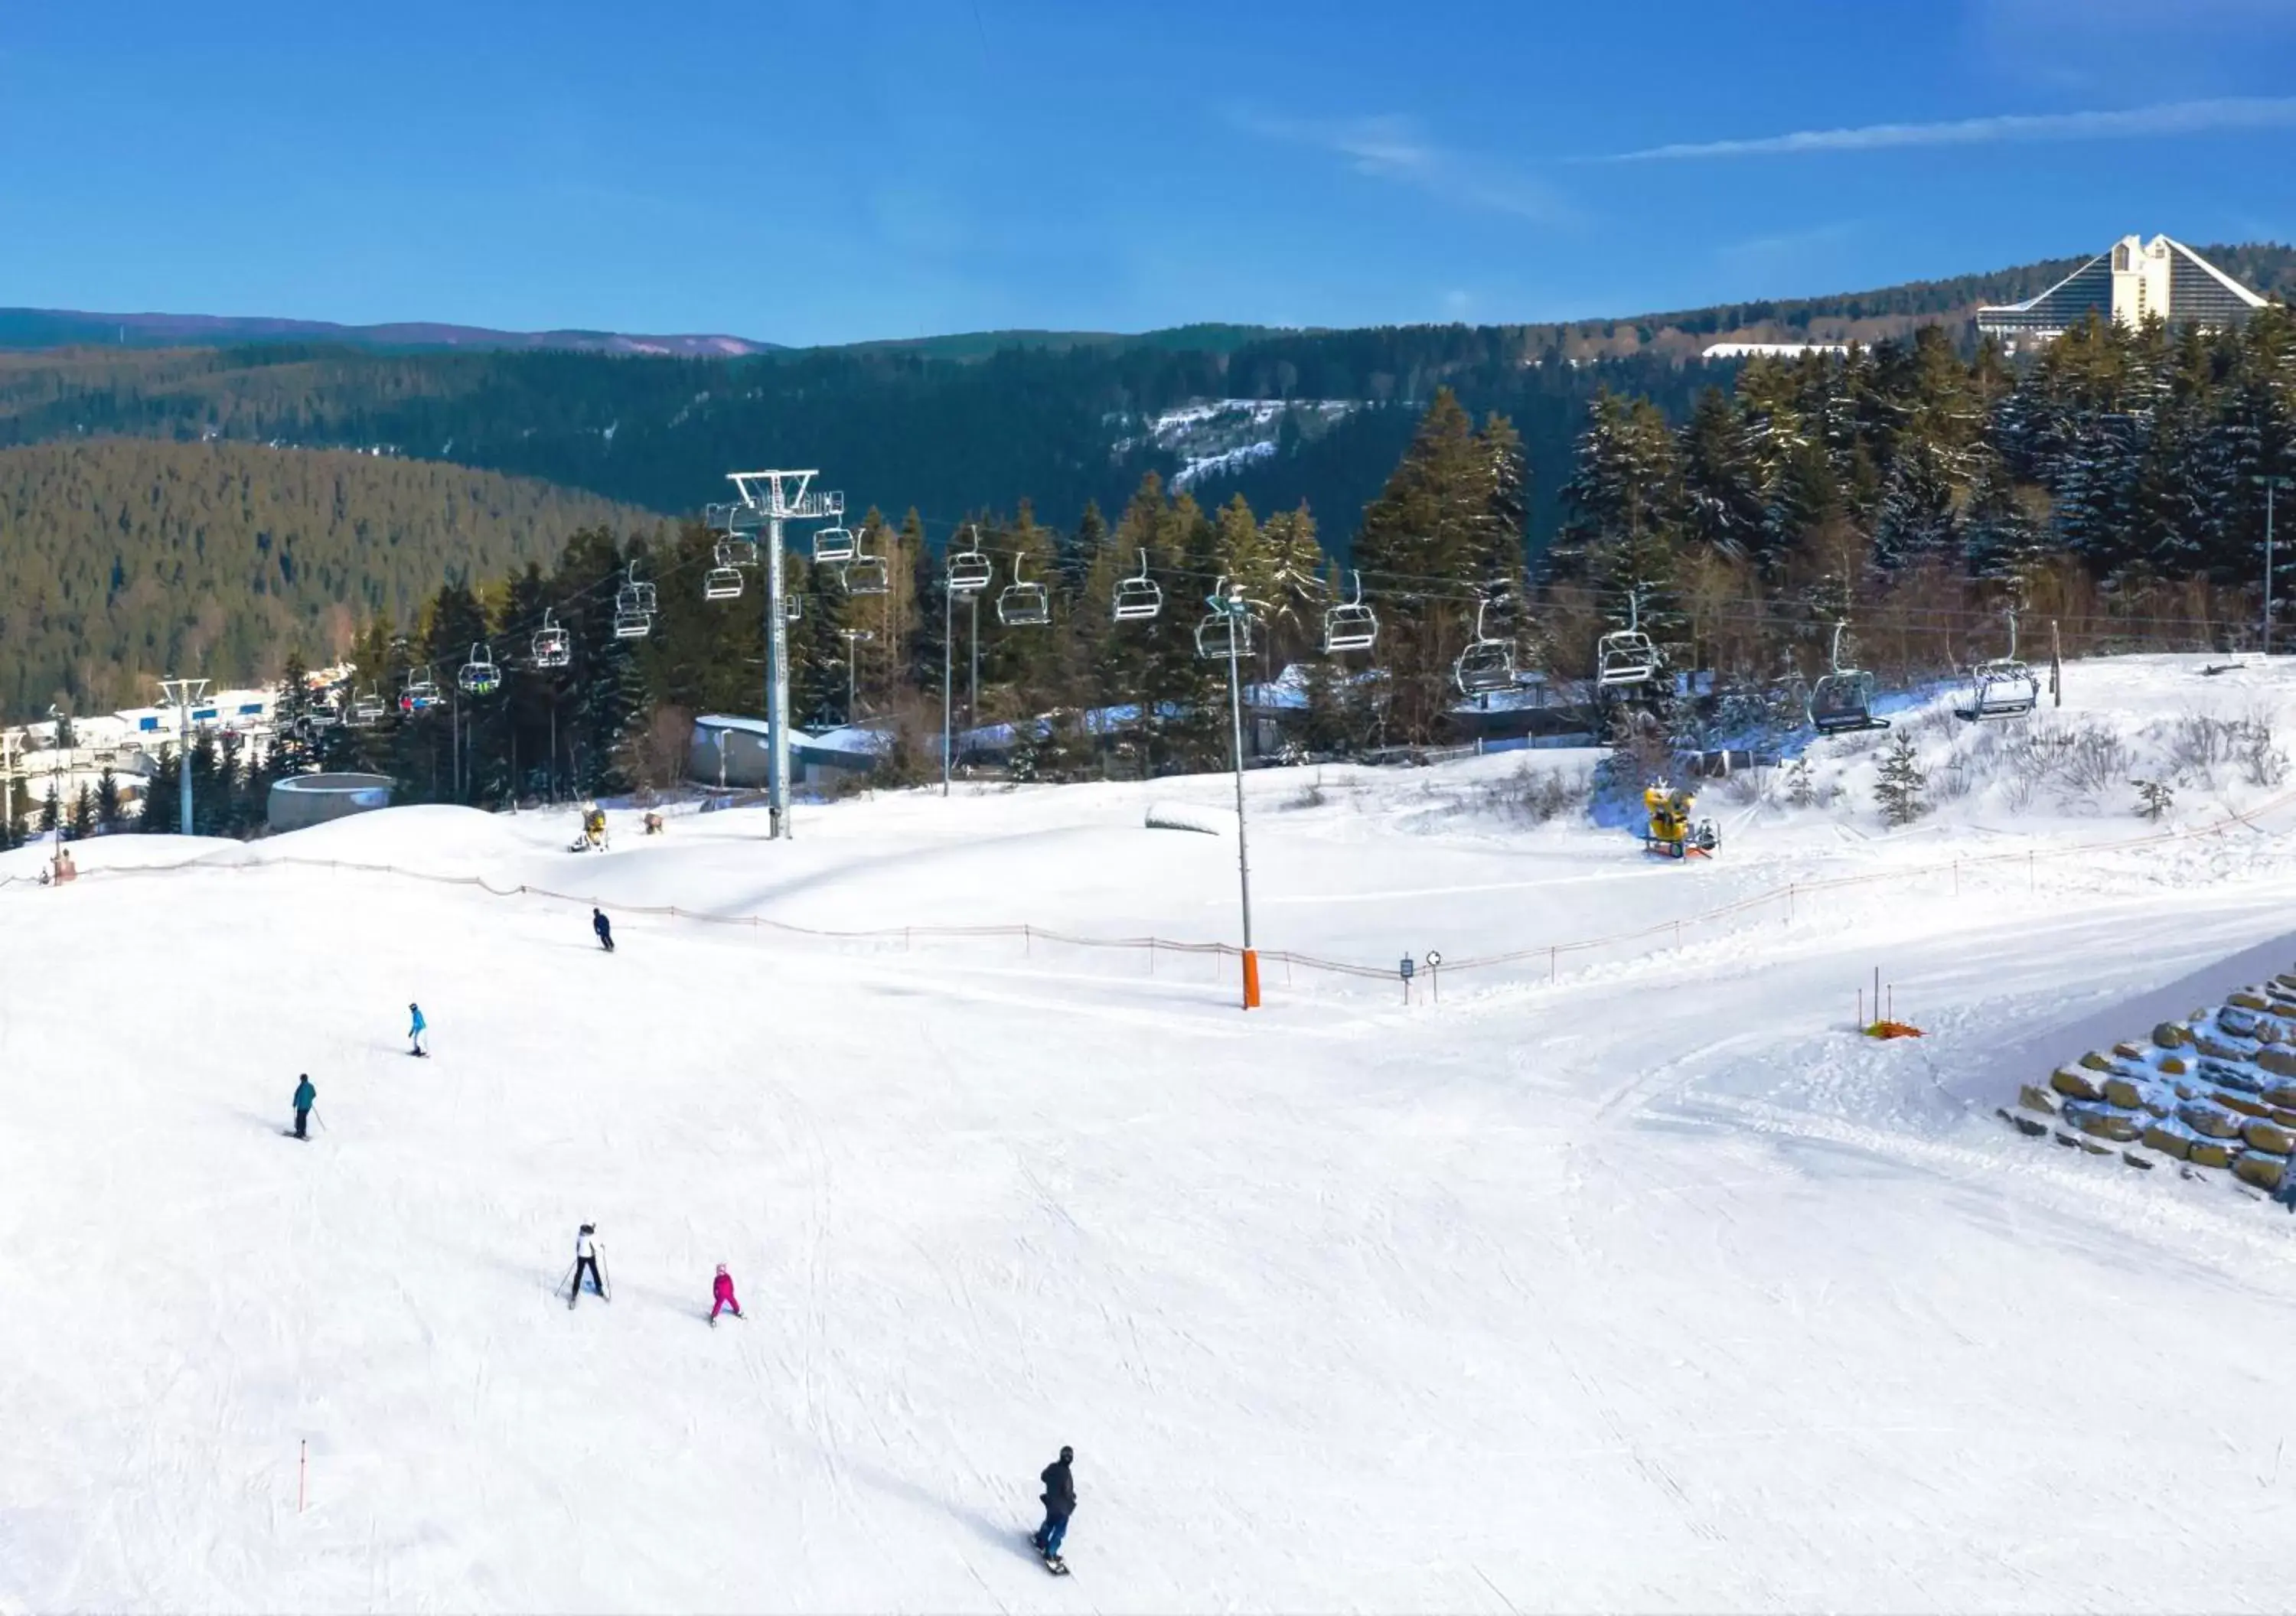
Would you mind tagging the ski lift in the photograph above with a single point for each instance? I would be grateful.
(833, 544)
(970, 569)
(866, 574)
(1351, 626)
(479, 676)
(324, 713)
(721, 582)
(1625, 657)
(792, 608)
(1488, 663)
(1139, 598)
(1841, 701)
(1225, 633)
(365, 708)
(420, 693)
(2003, 687)
(1021, 604)
(737, 552)
(634, 607)
(554, 647)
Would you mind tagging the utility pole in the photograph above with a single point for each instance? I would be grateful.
(852, 637)
(772, 498)
(1237, 610)
(2270, 483)
(186, 694)
(948, 663)
(56, 780)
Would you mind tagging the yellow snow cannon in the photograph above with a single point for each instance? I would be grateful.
(593, 829)
(1672, 833)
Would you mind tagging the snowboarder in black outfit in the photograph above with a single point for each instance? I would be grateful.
(306, 1096)
(586, 1261)
(1060, 1504)
(603, 927)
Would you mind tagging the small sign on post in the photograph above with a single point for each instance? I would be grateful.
(1407, 970)
(1435, 973)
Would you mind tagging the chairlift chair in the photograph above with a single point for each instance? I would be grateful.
(479, 676)
(1626, 656)
(1351, 626)
(737, 552)
(833, 544)
(365, 708)
(721, 583)
(2002, 687)
(420, 693)
(553, 647)
(970, 569)
(324, 712)
(1486, 664)
(634, 607)
(866, 574)
(1226, 632)
(1138, 597)
(1841, 701)
(1023, 604)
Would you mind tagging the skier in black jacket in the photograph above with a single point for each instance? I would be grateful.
(603, 927)
(1060, 1504)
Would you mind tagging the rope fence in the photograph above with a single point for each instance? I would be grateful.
(1659, 933)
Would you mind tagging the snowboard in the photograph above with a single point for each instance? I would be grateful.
(1056, 1565)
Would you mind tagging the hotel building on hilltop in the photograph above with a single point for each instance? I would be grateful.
(2132, 281)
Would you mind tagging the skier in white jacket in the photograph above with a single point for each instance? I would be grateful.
(586, 1261)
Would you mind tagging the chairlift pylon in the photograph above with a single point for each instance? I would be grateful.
(970, 569)
(1023, 603)
(1626, 656)
(2002, 687)
(1138, 597)
(1841, 701)
(552, 646)
(1488, 663)
(1351, 626)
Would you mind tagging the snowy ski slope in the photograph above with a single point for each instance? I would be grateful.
(1652, 1287)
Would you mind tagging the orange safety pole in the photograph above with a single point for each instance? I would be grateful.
(1251, 979)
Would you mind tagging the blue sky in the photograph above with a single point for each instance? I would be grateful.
(813, 172)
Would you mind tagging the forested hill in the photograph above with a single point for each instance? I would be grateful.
(954, 426)
(126, 560)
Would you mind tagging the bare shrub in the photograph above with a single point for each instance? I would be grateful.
(2261, 762)
(1747, 786)
(1310, 796)
(2096, 759)
(2199, 744)
(655, 757)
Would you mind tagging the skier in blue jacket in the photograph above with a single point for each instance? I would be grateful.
(414, 1033)
(306, 1096)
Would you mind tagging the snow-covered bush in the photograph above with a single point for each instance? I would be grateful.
(1899, 788)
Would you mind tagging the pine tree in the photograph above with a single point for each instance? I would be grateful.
(1900, 785)
(107, 802)
(51, 810)
(83, 813)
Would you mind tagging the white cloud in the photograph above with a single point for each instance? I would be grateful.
(1392, 148)
(2167, 117)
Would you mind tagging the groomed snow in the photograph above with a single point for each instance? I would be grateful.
(1652, 1287)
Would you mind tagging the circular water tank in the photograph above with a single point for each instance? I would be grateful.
(302, 800)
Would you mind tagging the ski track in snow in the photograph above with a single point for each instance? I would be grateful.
(1655, 1287)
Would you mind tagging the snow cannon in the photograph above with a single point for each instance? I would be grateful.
(1672, 833)
(592, 833)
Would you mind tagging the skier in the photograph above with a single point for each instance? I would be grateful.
(721, 1295)
(586, 1261)
(306, 1096)
(603, 927)
(1060, 1504)
(414, 1033)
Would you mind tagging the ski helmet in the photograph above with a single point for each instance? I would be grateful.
(589, 1229)
(721, 1267)
(1067, 1454)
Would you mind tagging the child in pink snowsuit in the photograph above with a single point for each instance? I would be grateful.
(721, 1292)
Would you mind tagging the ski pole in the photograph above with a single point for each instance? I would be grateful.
(318, 1118)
